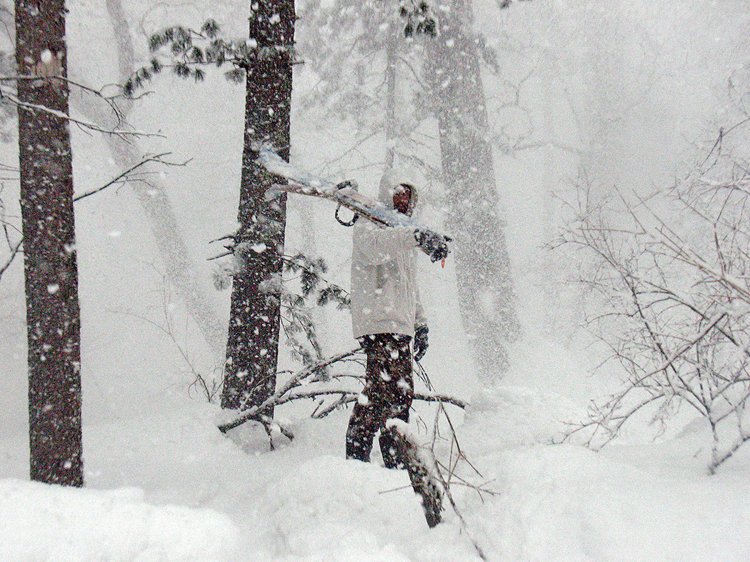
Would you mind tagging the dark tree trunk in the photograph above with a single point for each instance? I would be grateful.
(485, 288)
(252, 347)
(52, 312)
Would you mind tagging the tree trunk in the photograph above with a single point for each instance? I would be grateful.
(485, 289)
(549, 183)
(391, 72)
(154, 201)
(51, 273)
(252, 347)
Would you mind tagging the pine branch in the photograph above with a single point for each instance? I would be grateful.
(184, 51)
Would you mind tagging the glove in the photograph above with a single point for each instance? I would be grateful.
(420, 342)
(432, 244)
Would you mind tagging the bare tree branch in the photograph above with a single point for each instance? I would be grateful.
(121, 133)
(123, 177)
(675, 300)
(13, 253)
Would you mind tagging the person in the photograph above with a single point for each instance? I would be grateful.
(386, 316)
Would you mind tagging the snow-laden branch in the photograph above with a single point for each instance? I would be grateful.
(296, 388)
(293, 382)
(671, 272)
(348, 395)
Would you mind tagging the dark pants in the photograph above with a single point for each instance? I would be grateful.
(388, 393)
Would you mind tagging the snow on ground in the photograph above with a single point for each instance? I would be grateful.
(170, 486)
(43, 522)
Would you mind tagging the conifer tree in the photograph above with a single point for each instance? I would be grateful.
(485, 288)
(52, 310)
(441, 67)
(252, 347)
(265, 63)
(373, 97)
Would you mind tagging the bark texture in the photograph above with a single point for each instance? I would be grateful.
(485, 288)
(50, 267)
(252, 347)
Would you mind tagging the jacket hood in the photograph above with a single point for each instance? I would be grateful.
(394, 177)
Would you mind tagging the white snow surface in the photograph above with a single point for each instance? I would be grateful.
(171, 487)
(42, 522)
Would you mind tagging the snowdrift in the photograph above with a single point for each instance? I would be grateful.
(42, 522)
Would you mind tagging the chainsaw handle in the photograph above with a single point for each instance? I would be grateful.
(355, 218)
(346, 184)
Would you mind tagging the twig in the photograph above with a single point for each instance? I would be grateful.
(147, 160)
(13, 253)
(33, 108)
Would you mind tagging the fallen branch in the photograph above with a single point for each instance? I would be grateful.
(352, 395)
(453, 462)
(291, 391)
(269, 425)
(420, 474)
(293, 382)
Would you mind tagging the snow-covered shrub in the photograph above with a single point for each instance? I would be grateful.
(673, 271)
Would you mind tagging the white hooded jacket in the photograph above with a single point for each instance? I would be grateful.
(384, 294)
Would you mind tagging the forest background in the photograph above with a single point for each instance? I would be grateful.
(617, 98)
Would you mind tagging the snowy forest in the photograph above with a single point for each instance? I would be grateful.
(203, 205)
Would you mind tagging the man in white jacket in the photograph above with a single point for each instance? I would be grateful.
(386, 316)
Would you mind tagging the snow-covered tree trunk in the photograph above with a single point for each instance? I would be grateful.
(252, 347)
(154, 201)
(485, 289)
(548, 185)
(391, 54)
(51, 272)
